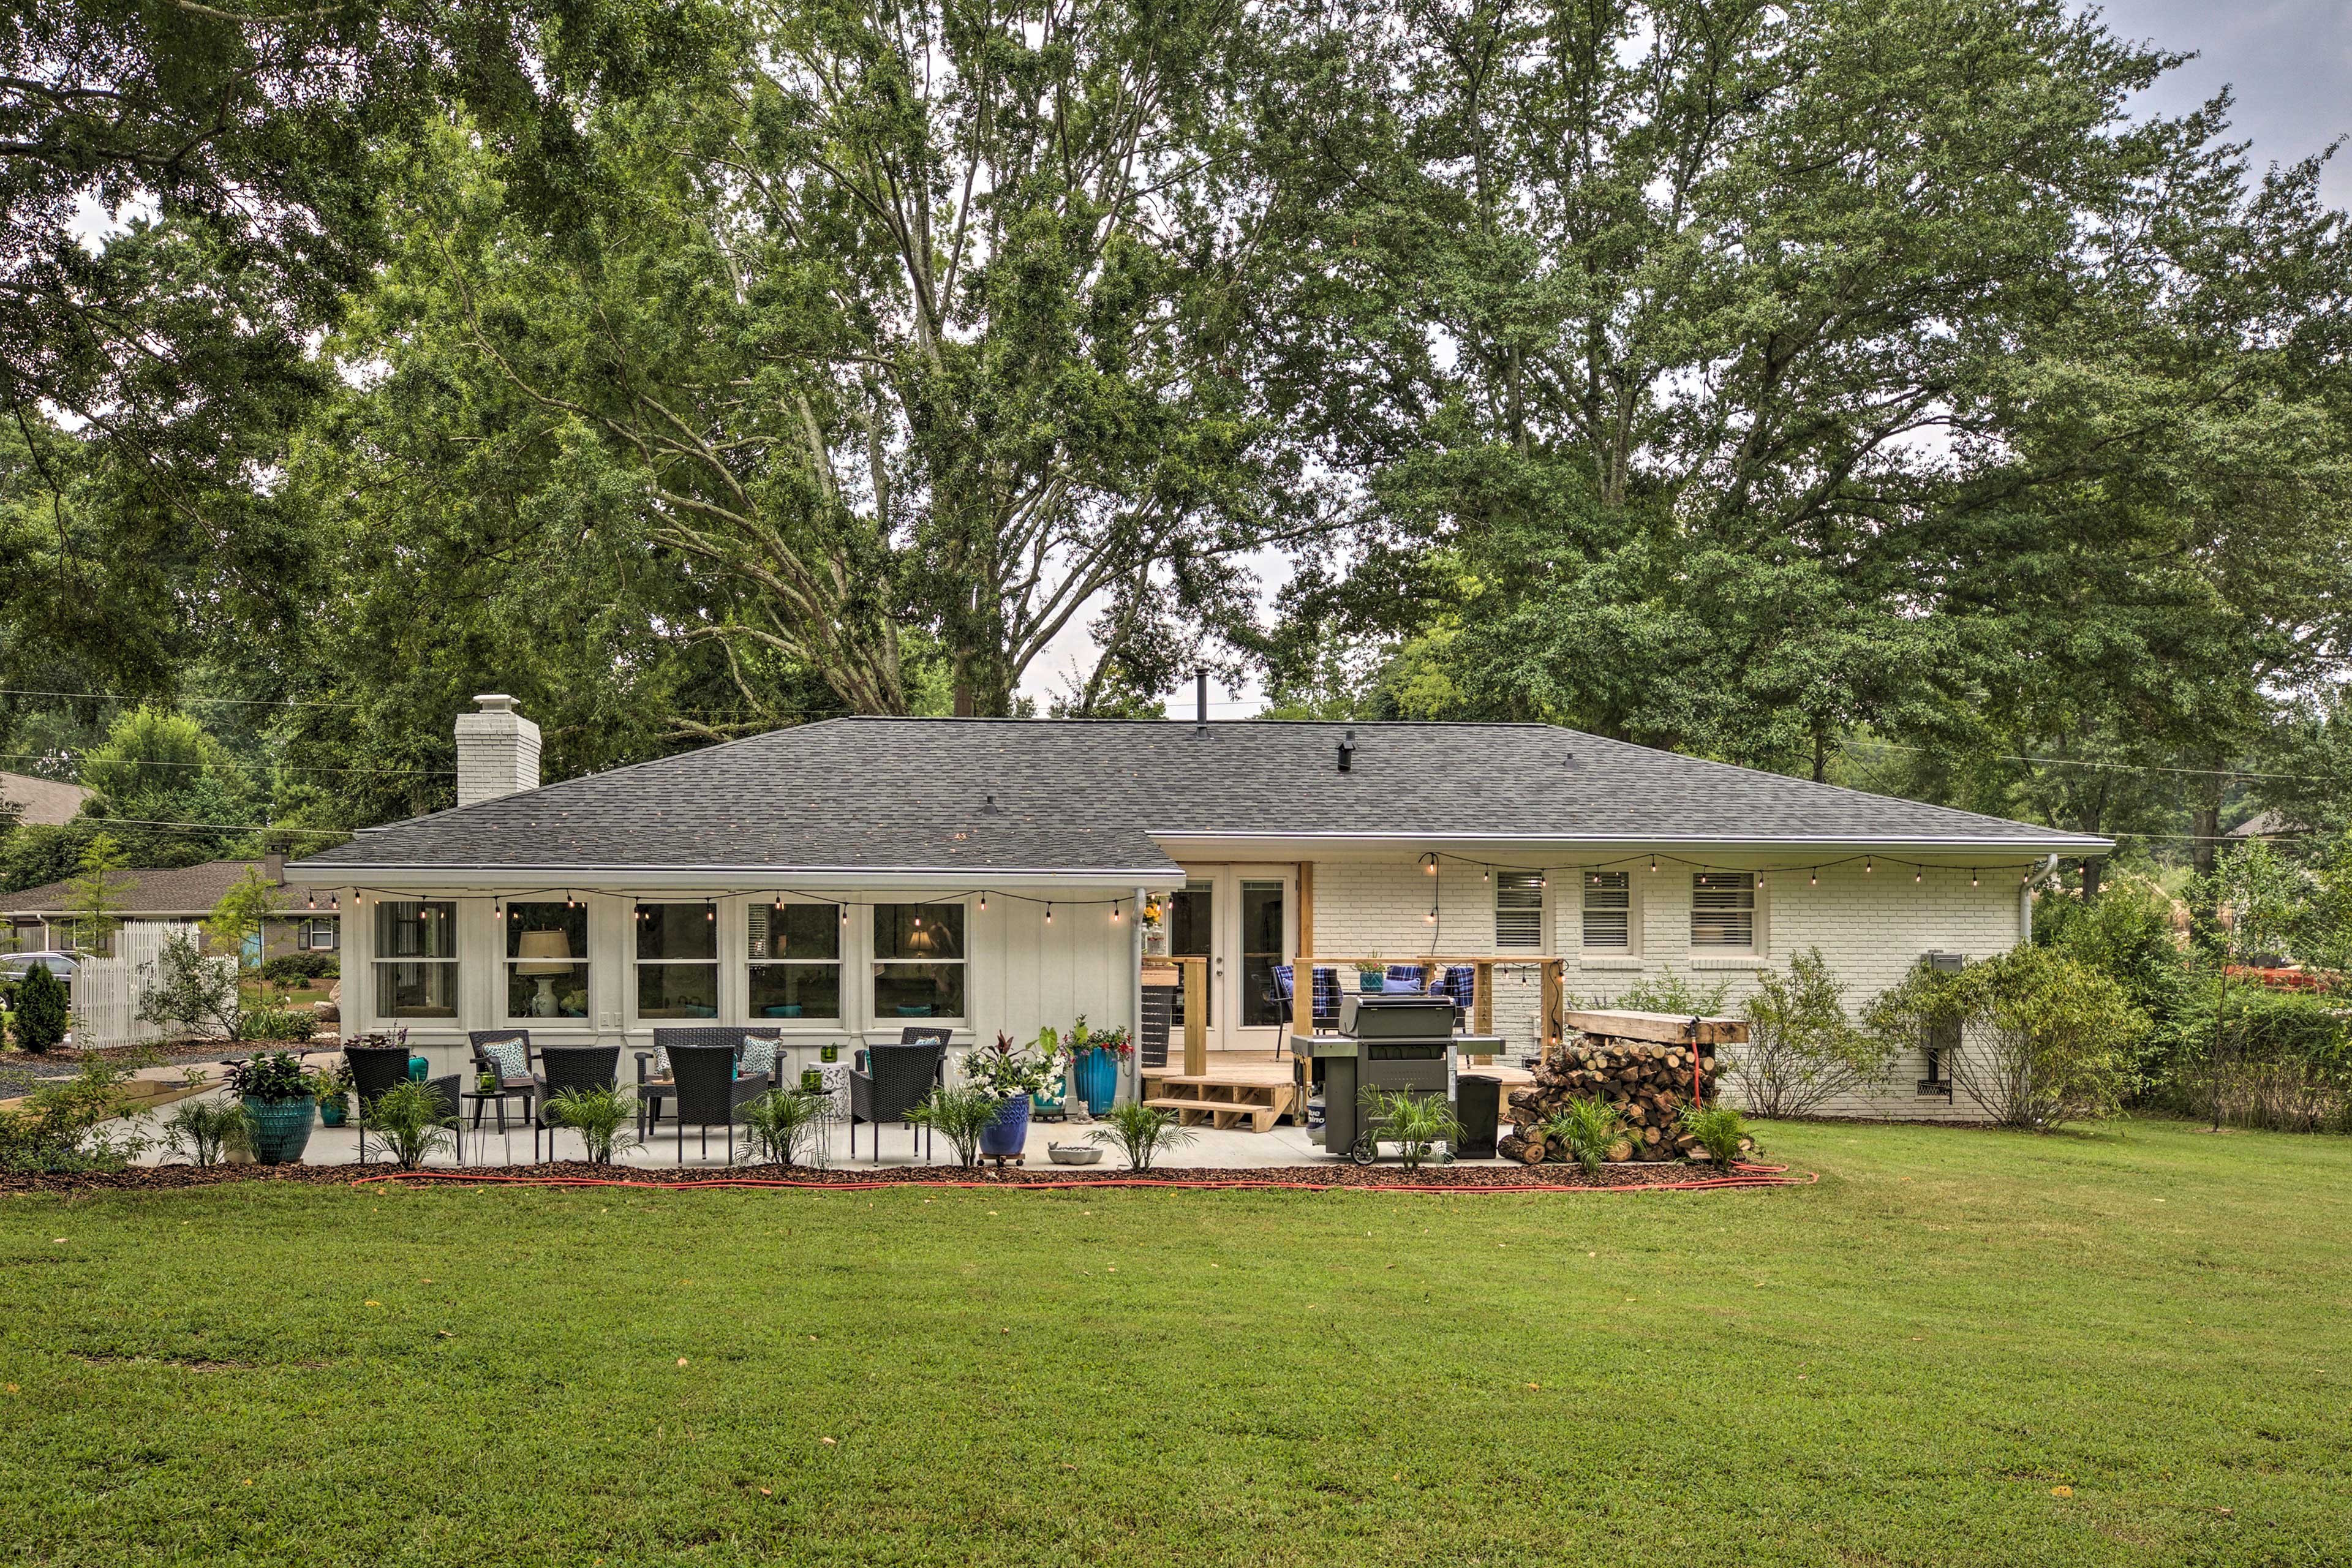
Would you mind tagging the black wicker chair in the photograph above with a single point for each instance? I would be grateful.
(509, 1086)
(703, 1082)
(893, 1080)
(562, 1068)
(654, 1086)
(377, 1070)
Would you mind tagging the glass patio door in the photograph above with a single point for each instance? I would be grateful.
(1241, 918)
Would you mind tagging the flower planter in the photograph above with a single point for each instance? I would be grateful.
(1098, 1078)
(281, 1129)
(332, 1112)
(1008, 1131)
(1369, 985)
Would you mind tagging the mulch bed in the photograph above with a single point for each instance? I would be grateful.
(67, 1063)
(173, 1177)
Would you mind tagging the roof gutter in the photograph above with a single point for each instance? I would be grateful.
(2059, 843)
(741, 878)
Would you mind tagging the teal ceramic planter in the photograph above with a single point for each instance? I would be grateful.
(281, 1128)
(332, 1112)
(1098, 1078)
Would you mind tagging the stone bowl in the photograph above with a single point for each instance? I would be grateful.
(1073, 1153)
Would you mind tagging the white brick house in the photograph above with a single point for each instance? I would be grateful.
(841, 879)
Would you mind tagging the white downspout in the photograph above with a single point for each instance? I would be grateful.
(2025, 903)
(1134, 1063)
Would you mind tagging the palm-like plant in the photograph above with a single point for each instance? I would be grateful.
(601, 1116)
(1415, 1122)
(960, 1116)
(781, 1121)
(1589, 1130)
(407, 1120)
(1719, 1129)
(1141, 1132)
(208, 1131)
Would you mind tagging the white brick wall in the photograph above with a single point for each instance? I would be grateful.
(1871, 928)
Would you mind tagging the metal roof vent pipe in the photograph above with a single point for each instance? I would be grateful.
(1348, 752)
(1201, 701)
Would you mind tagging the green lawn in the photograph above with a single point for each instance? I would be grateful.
(1898, 1365)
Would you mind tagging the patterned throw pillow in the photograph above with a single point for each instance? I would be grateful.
(512, 1058)
(759, 1058)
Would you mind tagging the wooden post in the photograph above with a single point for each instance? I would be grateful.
(1306, 906)
(1482, 1009)
(1196, 1016)
(1551, 1007)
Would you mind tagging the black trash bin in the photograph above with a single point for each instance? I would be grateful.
(1478, 1106)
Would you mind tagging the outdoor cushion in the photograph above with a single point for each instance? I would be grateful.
(1395, 986)
(758, 1057)
(510, 1057)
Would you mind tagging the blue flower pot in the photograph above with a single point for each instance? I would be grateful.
(1369, 985)
(419, 1069)
(1009, 1131)
(1098, 1078)
(281, 1128)
(332, 1112)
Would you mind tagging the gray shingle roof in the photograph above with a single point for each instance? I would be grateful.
(164, 890)
(881, 794)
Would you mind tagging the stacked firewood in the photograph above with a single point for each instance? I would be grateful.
(1649, 1086)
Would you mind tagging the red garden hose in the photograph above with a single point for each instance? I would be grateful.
(1746, 1175)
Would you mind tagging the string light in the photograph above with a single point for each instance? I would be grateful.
(1049, 914)
(1429, 863)
(1759, 879)
(1430, 918)
(1917, 874)
(1816, 875)
(1973, 876)
(1486, 873)
(983, 903)
(1653, 862)
(1865, 866)
(313, 901)
(1114, 912)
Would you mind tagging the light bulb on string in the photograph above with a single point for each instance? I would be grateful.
(1049, 914)
(1973, 876)
(1866, 867)
(983, 903)
(1916, 874)
(1114, 912)
(1817, 877)
(1653, 864)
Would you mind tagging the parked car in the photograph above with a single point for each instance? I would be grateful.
(14, 966)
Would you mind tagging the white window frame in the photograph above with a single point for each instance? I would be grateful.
(715, 963)
(876, 964)
(316, 927)
(1603, 883)
(1727, 895)
(1518, 884)
(583, 959)
(839, 963)
(379, 992)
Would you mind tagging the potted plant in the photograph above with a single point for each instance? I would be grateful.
(281, 1098)
(1369, 975)
(1012, 1073)
(1097, 1055)
(1050, 1103)
(334, 1095)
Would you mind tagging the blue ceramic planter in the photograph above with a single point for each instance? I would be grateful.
(1098, 1078)
(281, 1128)
(1009, 1131)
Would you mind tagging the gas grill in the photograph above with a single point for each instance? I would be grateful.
(1386, 1042)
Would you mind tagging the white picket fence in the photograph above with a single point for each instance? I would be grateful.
(106, 991)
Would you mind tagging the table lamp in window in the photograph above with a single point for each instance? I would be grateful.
(544, 955)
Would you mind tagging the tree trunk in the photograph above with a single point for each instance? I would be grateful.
(2090, 878)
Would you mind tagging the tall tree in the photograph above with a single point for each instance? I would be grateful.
(918, 324)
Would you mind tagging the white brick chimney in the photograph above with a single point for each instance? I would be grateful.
(498, 749)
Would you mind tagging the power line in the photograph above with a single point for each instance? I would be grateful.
(284, 767)
(230, 701)
(2125, 767)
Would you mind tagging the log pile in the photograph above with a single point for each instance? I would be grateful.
(1649, 1085)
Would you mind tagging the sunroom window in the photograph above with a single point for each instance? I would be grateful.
(918, 961)
(795, 961)
(547, 959)
(416, 958)
(677, 960)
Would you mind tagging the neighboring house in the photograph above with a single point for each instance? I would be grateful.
(38, 802)
(845, 879)
(43, 917)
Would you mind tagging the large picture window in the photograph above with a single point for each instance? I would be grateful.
(795, 956)
(547, 961)
(1609, 911)
(416, 958)
(677, 960)
(1723, 910)
(919, 961)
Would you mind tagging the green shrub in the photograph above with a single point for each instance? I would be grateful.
(59, 1124)
(1416, 1124)
(2044, 1040)
(784, 1123)
(408, 1119)
(1140, 1132)
(1802, 1050)
(290, 969)
(1587, 1128)
(1720, 1130)
(189, 992)
(44, 1013)
(272, 1076)
(208, 1131)
(1674, 994)
(601, 1116)
(276, 1024)
(2286, 1060)
(960, 1116)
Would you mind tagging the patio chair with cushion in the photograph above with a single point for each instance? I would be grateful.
(708, 1092)
(505, 1056)
(565, 1067)
(655, 1085)
(891, 1081)
(1323, 1002)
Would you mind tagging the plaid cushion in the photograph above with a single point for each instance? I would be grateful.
(758, 1057)
(507, 1058)
(1460, 982)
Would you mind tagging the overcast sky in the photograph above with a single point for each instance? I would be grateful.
(2290, 62)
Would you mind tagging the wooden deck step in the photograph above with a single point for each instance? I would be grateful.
(1212, 1101)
